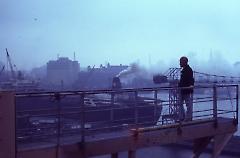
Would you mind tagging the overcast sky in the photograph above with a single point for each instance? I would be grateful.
(119, 31)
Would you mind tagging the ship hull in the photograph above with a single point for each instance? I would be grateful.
(45, 115)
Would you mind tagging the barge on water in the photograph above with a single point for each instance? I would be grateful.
(40, 114)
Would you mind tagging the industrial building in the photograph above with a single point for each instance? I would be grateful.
(62, 72)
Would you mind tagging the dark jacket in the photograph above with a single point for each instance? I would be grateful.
(186, 79)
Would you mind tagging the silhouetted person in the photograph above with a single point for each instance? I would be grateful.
(186, 80)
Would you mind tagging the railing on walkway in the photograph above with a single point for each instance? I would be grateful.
(51, 117)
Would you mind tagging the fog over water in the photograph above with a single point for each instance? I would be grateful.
(148, 35)
(122, 31)
(215, 64)
(165, 152)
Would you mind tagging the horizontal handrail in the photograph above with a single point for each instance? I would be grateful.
(80, 112)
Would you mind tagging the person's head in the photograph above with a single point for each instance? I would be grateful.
(183, 61)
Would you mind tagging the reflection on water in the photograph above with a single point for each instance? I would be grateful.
(229, 104)
(165, 152)
(169, 151)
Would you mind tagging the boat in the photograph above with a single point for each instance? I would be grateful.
(49, 113)
(20, 86)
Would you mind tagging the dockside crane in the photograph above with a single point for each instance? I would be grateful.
(9, 62)
(172, 76)
(2, 69)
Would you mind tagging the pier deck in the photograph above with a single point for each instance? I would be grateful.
(66, 130)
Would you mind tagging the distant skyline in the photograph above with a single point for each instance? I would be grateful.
(119, 31)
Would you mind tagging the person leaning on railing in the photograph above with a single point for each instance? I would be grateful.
(186, 94)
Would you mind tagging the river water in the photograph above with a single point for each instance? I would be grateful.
(166, 152)
(170, 151)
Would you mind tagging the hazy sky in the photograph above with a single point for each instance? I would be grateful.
(118, 31)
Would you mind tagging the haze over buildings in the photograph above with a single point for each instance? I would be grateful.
(62, 71)
(123, 31)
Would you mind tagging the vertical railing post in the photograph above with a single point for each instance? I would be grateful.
(58, 98)
(155, 105)
(8, 146)
(15, 124)
(112, 107)
(136, 106)
(177, 102)
(82, 118)
(237, 104)
(215, 102)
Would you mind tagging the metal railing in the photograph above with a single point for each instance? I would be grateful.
(55, 117)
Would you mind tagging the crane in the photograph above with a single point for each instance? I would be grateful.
(9, 61)
(2, 70)
(172, 76)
